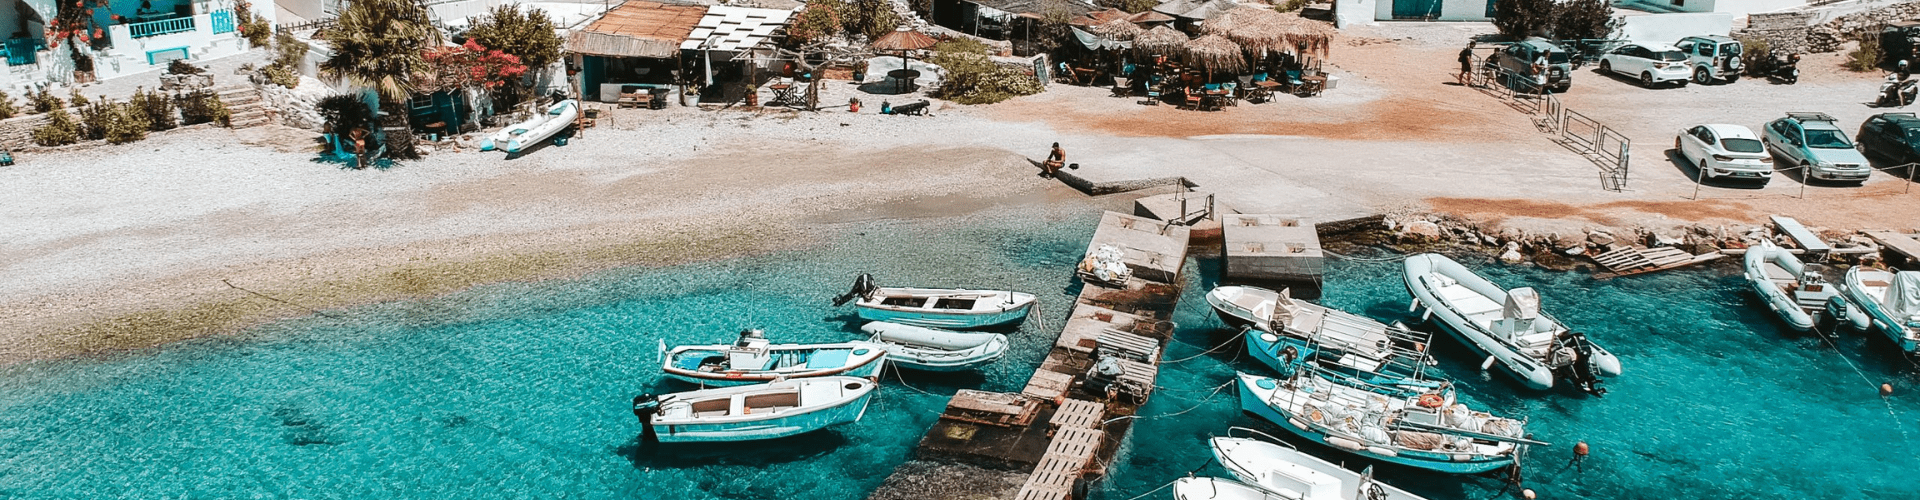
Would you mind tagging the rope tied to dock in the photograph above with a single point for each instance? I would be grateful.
(1891, 413)
(1331, 253)
(1236, 337)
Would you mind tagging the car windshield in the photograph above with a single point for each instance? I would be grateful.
(1827, 139)
(1913, 137)
(1742, 145)
(1670, 55)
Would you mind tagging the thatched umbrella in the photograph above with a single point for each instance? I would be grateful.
(904, 40)
(1215, 53)
(1118, 29)
(1160, 40)
(1314, 36)
(1256, 29)
(1149, 17)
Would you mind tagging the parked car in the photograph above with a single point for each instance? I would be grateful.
(1516, 61)
(1893, 136)
(1713, 57)
(1652, 63)
(1814, 141)
(1721, 150)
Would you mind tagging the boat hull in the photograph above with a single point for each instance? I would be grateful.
(773, 426)
(859, 364)
(1251, 461)
(1878, 318)
(959, 320)
(1211, 488)
(1252, 402)
(929, 349)
(1776, 299)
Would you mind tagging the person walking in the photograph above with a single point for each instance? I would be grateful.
(1466, 64)
(1055, 159)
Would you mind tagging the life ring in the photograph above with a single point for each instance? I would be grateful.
(1431, 401)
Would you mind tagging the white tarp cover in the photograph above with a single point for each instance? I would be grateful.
(1903, 298)
(1522, 303)
(734, 29)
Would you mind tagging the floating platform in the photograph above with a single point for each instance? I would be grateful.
(1904, 245)
(1089, 321)
(1154, 250)
(1273, 249)
(1628, 261)
(1802, 238)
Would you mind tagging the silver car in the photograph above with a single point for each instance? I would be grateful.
(1721, 150)
(1652, 63)
(1812, 141)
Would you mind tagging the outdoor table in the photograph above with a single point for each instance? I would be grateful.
(903, 77)
(1084, 76)
(782, 93)
(1311, 85)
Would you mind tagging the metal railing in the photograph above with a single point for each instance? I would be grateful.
(161, 27)
(1605, 147)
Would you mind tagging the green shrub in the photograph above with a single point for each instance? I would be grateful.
(343, 112)
(1865, 57)
(125, 123)
(155, 108)
(1288, 5)
(60, 129)
(872, 18)
(44, 101)
(202, 107)
(1756, 50)
(93, 117)
(289, 53)
(256, 29)
(972, 78)
(6, 106)
(182, 67)
(75, 99)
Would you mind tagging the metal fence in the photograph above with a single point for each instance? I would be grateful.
(1605, 147)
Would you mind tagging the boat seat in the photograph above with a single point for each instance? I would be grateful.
(1541, 339)
(828, 358)
(1467, 302)
(1308, 320)
(1778, 274)
(1251, 302)
(817, 393)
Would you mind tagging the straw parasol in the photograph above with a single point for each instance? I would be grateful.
(1149, 17)
(903, 40)
(1215, 53)
(1256, 28)
(1118, 29)
(1160, 40)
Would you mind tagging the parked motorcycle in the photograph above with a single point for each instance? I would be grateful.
(1778, 69)
(1899, 90)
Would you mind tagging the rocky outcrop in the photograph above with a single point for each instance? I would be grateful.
(1784, 32)
(1413, 232)
(295, 107)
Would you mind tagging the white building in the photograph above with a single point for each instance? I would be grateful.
(125, 38)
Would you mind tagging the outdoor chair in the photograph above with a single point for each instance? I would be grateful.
(1292, 82)
(1121, 87)
(1193, 100)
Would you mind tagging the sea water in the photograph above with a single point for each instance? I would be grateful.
(522, 390)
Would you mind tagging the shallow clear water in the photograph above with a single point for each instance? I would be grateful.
(520, 390)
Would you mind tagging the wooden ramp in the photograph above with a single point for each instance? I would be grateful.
(1801, 236)
(1066, 460)
(1907, 245)
(1635, 260)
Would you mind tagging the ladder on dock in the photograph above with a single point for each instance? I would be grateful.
(1634, 260)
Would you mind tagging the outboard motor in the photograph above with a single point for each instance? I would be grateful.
(1583, 366)
(644, 406)
(862, 287)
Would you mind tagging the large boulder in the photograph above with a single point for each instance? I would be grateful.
(1421, 230)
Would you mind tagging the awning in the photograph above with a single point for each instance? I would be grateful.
(734, 29)
(638, 28)
(1095, 42)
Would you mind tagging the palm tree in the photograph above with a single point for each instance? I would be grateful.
(381, 44)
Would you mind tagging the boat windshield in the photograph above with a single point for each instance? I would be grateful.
(1742, 145)
(1827, 139)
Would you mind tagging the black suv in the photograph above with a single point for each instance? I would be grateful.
(1516, 60)
(1893, 136)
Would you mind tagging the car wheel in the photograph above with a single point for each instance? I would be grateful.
(1646, 79)
(1606, 66)
(1701, 76)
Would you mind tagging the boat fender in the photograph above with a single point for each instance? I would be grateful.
(1342, 442)
(1488, 364)
(1415, 306)
(1297, 423)
(1382, 451)
(1462, 458)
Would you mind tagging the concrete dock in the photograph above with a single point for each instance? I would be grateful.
(1275, 250)
(1066, 423)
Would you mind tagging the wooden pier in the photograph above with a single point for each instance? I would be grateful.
(1904, 245)
(1628, 261)
(1069, 420)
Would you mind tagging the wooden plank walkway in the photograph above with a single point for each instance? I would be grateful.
(1115, 343)
(1904, 244)
(1801, 236)
(1048, 385)
(1065, 461)
(1078, 414)
(1634, 260)
(991, 408)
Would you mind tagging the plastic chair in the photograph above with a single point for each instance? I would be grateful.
(1293, 79)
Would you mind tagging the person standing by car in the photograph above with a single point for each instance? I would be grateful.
(1540, 70)
(1466, 64)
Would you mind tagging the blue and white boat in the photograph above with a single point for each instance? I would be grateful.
(759, 411)
(1790, 288)
(1885, 302)
(1507, 326)
(937, 307)
(753, 359)
(1284, 332)
(1282, 471)
(1430, 431)
(936, 350)
(522, 136)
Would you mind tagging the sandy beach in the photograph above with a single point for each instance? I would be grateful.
(207, 231)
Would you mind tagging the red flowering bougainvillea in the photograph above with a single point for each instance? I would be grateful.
(468, 65)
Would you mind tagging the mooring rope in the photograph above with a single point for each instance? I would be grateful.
(1891, 413)
(1362, 259)
(1208, 351)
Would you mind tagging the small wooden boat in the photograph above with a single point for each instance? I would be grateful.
(1285, 331)
(937, 307)
(520, 136)
(1277, 467)
(1507, 326)
(759, 411)
(753, 359)
(1793, 290)
(1213, 488)
(1430, 431)
(1886, 302)
(936, 350)
(1105, 266)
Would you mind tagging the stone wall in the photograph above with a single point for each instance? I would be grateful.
(1783, 31)
(1828, 37)
(17, 132)
(295, 107)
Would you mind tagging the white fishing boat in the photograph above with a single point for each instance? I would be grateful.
(937, 307)
(1507, 326)
(1213, 488)
(753, 359)
(759, 411)
(520, 136)
(1886, 302)
(934, 349)
(1432, 430)
(1288, 330)
(1278, 468)
(1795, 291)
(1105, 265)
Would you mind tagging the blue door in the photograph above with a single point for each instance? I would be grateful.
(1416, 9)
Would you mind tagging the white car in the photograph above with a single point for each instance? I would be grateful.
(1652, 63)
(1721, 150)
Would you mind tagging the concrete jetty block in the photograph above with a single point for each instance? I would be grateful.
(1087, 321)
(1151, 248)
(1262, 248)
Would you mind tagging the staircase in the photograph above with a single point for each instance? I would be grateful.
(244, 106)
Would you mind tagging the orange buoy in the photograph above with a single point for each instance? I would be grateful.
(1580, 449)
(1886, 390)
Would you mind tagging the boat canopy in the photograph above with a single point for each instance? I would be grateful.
(1522, 303)
(1903, 298)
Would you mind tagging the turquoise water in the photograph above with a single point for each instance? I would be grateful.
(520, 390)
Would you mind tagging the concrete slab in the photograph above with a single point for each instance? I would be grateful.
(1154, 250)
(1264, 248)
(1187, 208)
